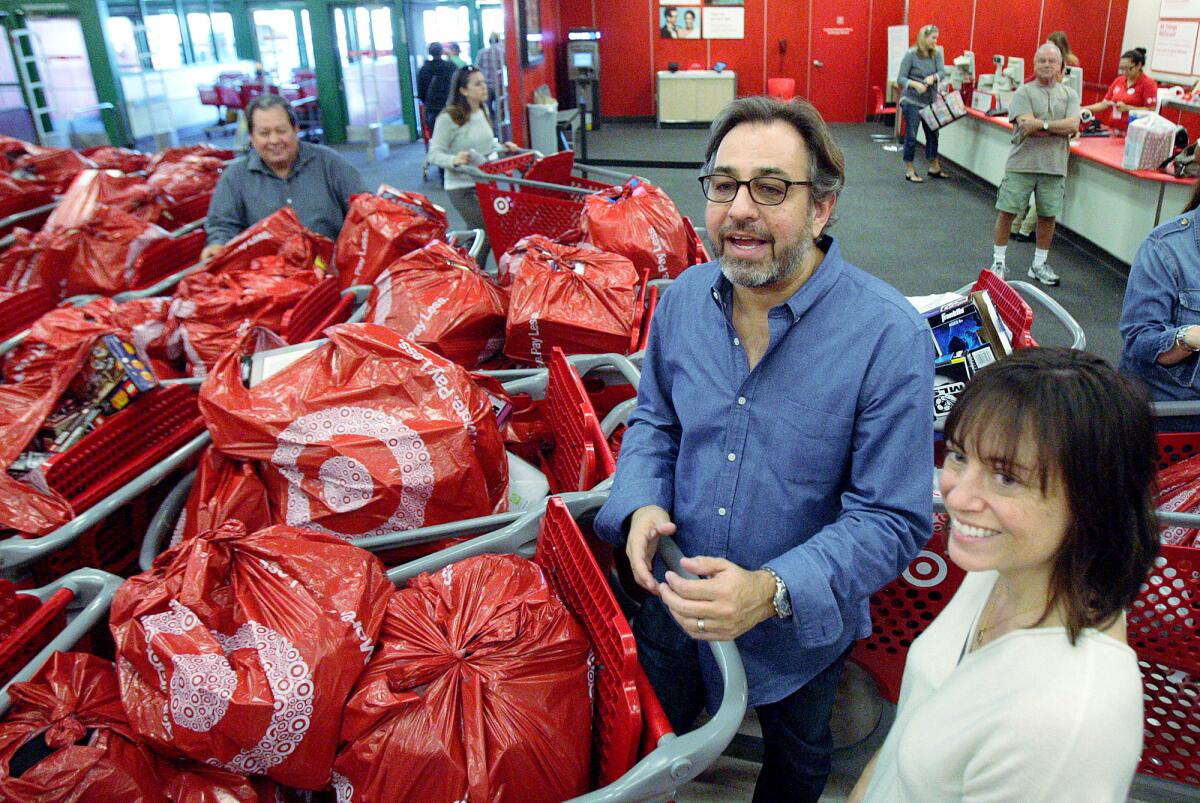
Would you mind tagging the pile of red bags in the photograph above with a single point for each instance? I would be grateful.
(641, 222)
(367, 434)
(92, 189)
(70, 716)
(479, 691)
(379, 229)
(240, 649)
(95, 257)
(438, 297)
(211, 312)
(108, 157)
(183, 152)
(281, 235)
(1179, 492)
(187, 177)
(53, 168)
(576, 298)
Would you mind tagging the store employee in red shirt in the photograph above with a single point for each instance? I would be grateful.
(1133, 90)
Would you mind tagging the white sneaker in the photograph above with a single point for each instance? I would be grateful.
(998, 269)
(1044, 274)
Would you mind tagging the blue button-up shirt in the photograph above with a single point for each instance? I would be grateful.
(1161, 296)
(817, 464)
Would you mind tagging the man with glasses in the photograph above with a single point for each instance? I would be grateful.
(783, 436)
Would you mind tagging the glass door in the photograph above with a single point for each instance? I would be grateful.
(61, 66)
(284, 41)
(15, 119)
(370, 73)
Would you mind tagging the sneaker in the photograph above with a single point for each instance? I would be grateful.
(1044, 275)
(998, 269)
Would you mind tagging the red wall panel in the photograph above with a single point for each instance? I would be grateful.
(522, 81)
(883, 14)
(953, 18)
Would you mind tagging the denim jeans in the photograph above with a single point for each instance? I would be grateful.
(797, 740)
(912, 117)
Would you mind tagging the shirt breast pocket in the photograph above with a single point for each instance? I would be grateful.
(819, 443)
(1189, 307)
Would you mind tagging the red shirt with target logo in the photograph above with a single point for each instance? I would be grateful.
(1143, 93)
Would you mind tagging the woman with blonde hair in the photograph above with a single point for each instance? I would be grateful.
(920, 71)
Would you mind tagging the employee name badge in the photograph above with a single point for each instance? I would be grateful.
(1117, 114)
(982, 101)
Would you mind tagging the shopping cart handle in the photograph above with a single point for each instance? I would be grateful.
(18, 217)
(163, 522)
(617, 416)
(1078, 338)
(474, 236)
(93, 591)
(1175, 408)
(160, 288)
(586, 363)
(679, 759)
(16, 552)
(188, 228)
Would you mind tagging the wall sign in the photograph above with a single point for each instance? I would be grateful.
(724, 23)
(1174, 46)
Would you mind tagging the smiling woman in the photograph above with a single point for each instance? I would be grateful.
(1050, 460)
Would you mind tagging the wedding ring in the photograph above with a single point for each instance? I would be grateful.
(700, 625)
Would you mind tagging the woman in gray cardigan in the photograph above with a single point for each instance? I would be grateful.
(462, 135)
(920, 71)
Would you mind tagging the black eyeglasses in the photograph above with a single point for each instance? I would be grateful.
(764, 190)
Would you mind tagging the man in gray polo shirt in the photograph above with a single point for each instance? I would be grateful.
(281, 171)
(1045, 115)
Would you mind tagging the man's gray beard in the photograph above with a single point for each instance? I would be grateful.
(748, 273)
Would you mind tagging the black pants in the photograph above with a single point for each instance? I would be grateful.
(797, 740)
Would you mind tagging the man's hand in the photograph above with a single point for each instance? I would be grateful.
(646, 526)
(210, 251)
(729, 599)
(1030, 125)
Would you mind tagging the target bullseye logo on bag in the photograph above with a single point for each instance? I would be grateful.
(348, 446)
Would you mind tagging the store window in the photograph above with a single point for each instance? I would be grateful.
(222, 27)
(123, 40)
(166, 41)
(200, 29)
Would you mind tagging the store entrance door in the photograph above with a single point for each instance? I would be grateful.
(370, 73)
(836, 79)
(284, 40)
(56, 76)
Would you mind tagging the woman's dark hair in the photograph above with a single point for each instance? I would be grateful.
(265, 102)
(435, 50)
(1093, 431)
(457, 107)
(1194, 201)
(826, 164)
(1137, 55)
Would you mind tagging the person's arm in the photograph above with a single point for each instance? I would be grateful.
(439, 144)
(886, 510)
(646, 469)
(423, 76)
(902, 77)
(859, 792)
(346, 182)
(1147, 314)
(226, 212)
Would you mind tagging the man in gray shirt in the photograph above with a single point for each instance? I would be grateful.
(281, 171)
(1045, 115)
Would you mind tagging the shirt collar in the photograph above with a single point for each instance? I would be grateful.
(809, 293)
(305, 155)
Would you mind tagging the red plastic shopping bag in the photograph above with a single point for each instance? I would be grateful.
(240, 649)
(211, 312)
(97, 256)
(367, 434)
(93, 188)
(109, 157)
(224, 489)
(578, 299)
(479, 691)
(437, 296)
(641, 222)
(182, 152)
(53, 168)
(1179, 492)
(19, 263)
(187, 177)
(70, 716)
(280, 234)
(379, 229)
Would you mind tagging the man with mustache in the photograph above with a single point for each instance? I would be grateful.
(281, 171)
(783, 436)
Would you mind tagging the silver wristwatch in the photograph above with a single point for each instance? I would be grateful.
(782, 602)
(1181, 342)
(1045, 125)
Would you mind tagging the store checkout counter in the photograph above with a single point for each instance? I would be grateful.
(1111, 207)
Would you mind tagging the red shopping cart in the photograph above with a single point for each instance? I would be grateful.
(514, 206)
(27, 210)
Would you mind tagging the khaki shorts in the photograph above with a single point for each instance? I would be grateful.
(1048, 191)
